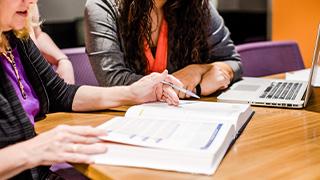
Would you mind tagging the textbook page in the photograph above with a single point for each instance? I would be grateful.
(190, 156)
(167, 133)
(236, 114)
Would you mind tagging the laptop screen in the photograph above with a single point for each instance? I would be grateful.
(314, 67)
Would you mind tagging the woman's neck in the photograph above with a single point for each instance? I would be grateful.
(157, 12)
(156, 16)
(159, 3)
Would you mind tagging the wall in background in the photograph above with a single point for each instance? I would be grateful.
(246, 19)
(296, 20)
(63, 21)
(242, 5)
(61, 10)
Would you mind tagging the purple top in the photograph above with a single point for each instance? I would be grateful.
(31, 104)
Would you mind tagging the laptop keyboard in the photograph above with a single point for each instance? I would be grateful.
(282, 90)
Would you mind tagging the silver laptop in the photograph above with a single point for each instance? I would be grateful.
(274, 92)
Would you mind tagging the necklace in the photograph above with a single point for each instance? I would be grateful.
(10, 58)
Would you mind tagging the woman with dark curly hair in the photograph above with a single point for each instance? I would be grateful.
(127, 39)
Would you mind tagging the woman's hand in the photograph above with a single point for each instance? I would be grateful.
(149, 89)
(190, 76)
(61, 144)
(217, 78)
(64, 144)
(65, 71)
(164, 96)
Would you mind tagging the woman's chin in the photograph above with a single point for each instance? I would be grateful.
(18, 27)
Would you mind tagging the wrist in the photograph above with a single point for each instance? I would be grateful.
(14, 160)
(130, 95)
(64, 62)
(137, 93)
(65, 58)
(124, 95)
(198, 89)
(27, 157)
(32, 158)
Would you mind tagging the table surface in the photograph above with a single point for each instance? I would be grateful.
(277, 143)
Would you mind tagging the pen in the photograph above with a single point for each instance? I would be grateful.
(190, 93)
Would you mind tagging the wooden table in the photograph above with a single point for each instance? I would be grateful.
(277, 143)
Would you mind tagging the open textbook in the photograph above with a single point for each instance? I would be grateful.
(192, 137)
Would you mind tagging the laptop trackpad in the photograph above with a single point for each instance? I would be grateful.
(246, 87)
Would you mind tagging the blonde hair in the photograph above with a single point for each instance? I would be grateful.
(34, 17)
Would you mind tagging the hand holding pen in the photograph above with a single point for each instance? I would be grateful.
(190, 93)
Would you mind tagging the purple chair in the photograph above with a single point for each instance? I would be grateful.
(82, 69)
(269, 57)
(66, 171)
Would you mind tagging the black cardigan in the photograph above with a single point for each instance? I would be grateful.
(53, 93)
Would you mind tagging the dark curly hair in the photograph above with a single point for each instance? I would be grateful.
(187, 20)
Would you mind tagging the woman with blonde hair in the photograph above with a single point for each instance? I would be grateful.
(29, 88)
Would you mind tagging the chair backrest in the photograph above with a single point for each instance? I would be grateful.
(82, 68)
(269, 57)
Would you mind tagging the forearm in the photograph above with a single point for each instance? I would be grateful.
(14, 160)
(203, 68)
(89, 98)
(195, 70)
(49, 49)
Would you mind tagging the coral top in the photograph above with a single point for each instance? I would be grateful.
(158, 63)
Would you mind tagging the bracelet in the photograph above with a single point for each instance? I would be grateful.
(63, 58)
(198, 90)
